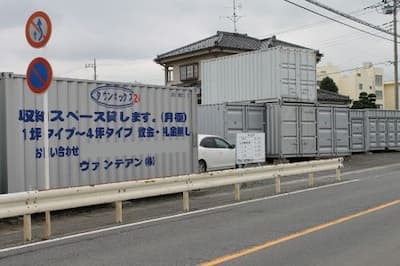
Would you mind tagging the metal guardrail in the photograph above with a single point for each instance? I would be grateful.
(31, 202)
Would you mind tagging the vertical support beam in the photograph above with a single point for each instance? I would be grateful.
(118, 211)
(338, 175)
(396, 62)
(27, 227)
(311, 179)
(186, 205)
(237, 192)
(277, 184)
(47, 225)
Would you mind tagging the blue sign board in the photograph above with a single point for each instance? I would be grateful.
(39, 75)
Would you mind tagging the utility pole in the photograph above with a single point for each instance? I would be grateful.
(387, 9)
(396, 63)
(94, 66)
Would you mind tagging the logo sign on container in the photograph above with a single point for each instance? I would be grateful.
(114, 96)
(38, 29)
(39, 75)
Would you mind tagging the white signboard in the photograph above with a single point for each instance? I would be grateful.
(250, 148)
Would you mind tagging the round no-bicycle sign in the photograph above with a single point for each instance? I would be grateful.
(38, 29)
(39, 75)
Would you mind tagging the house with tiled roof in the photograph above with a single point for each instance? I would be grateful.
(182, 65)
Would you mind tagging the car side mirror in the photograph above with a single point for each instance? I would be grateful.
(232, 146)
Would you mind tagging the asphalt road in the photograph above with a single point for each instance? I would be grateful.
(337, 224)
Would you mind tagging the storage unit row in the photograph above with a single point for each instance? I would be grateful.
(291, 129)
(373, 130)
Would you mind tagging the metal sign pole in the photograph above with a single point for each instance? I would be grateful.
(46, 141)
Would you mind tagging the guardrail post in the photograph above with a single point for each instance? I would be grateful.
(311, 179)
(27, 227)
(47, 225)
(277, 184)
(186, 206)
(118, 212)
(338, 175)
(237, 192)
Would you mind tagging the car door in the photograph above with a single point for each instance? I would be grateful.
(227, 155)
(209, 152)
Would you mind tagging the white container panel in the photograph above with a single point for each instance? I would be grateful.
(99, 132)
(276, 73)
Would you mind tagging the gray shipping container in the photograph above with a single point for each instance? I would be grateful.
(333, 131)
(99, 132)
(280, 73)
(290, 130)
(357, 130)
(373, 130)
(226, 120)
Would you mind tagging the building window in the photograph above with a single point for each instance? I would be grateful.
(379, 95)
(170, 74)
(360, 86)
(189, 72)
(378, 80)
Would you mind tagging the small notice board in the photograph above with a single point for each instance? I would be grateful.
(250, 148)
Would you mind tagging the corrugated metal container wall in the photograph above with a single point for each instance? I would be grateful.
(357, 130)
(391, 143)
(276, 73)
(333, 131)
(99, 132)
(290, 130)
(226, 120)
(376, 130)
(397, 130)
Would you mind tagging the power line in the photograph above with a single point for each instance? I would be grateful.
(355, 19)
(337, 21)
(314, 24)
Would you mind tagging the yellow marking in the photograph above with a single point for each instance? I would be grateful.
(311, 230)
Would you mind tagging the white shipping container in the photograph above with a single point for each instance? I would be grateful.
(283, 73)
(99, 132)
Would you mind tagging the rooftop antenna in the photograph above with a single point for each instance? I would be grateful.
(235, 17)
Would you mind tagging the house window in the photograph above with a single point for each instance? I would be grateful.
(379, 95)
(189, 72)
(360, 86)
(378, 80)
(170, 74)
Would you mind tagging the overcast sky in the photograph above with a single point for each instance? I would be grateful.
(126, 35)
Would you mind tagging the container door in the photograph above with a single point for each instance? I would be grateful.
(289, 130)
(341, 131)
(398, 133)
(255, 117)
(234, 122)
(325, 134)
(357, 135)
(308, 130)
(391, 133)
(373, 144)
(381, 138)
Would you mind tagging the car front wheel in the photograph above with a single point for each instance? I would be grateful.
(202, 166)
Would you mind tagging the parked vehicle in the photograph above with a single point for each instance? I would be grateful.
(215, 153)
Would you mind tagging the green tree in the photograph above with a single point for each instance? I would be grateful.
(365, 100)
(328, 84)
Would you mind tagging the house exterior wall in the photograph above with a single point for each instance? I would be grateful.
(192, 60)
(352, 84)
(389, 102)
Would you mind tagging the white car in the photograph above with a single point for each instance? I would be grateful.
(215, 153)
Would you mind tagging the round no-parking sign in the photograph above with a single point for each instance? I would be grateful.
(39, 75)
(38, 29)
